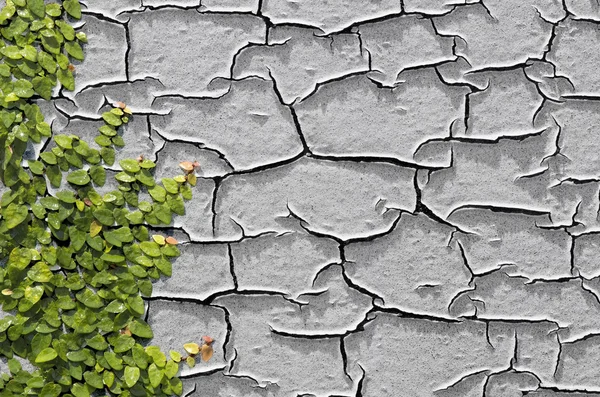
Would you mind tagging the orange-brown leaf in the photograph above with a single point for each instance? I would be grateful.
(187, 166)
(207, 352)
(171, 241)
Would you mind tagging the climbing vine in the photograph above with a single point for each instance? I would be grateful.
(75, 264)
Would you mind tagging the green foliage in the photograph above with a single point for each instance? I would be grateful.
(75, 263)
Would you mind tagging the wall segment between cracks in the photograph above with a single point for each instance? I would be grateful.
(398, 198)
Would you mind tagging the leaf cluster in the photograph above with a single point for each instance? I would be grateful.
(75, 264)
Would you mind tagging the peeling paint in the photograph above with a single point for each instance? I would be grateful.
(395, 198)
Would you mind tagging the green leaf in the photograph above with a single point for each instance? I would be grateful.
(176, 386)
(14, 366)
(171, 369)
(73, 8)
(170, 185)
(12, 52)
(98, 175)
(141, 328)
(89, 299)
(14, 215)
(164, 266)
(40, 272)
(79, 177)
(97, 342)
(132, 374)
(130, 165)
(67, 30)
(186, 192)
(102, 140)
(176, 205)
(148, 164)
(150, 248)
(124, 177)
(79, 390)
(7, 12)
(50, 390)
(66, 196)
(47, 62)
(93, 379)
(146, 178)
(77, 356)
(48, 157)
(175, 356)
(112, 119)
(107, 130)
(37, 8)
(108, 155)
(155, 375)
(118, 141)
(158, 357)
(19, 259)
(48, 354)
(113, 258)
(113, 360)
(66, 78)
(116, 307)
(43, 86)
(29, 52)
(34, 294)
(108, 378)
(104, 216)
(54, 175)
(64, 141)
(158, 193)
(23, 88)
(74, 49)
(123, 343)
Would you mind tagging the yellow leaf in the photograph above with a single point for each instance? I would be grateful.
(191, 348)
(127, 110)
(80, 205)
(7, 292)
(179, 178)
(191, 178)
(158, 239)
(191, 362)
(95, 228)
(207, 352)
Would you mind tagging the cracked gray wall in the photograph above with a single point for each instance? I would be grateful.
(397, 197)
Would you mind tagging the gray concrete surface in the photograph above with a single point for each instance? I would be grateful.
(397, 198)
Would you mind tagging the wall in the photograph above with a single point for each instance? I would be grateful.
(397, 198)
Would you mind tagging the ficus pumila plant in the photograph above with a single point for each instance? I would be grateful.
(74, 263)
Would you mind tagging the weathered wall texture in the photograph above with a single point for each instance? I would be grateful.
(398, 198)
